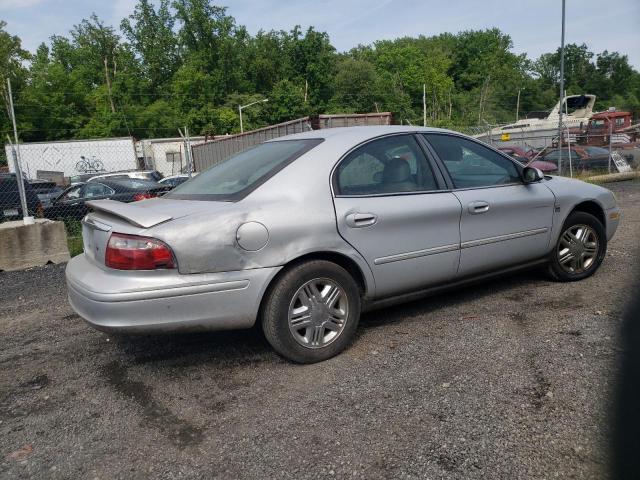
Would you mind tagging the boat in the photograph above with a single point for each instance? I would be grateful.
(539, 129)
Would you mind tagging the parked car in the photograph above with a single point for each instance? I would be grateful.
(46, 191)
(72, 202)
(150, 175)
(175, 180)
(526, 158)
(306, 231)
(518, 153)
(10, 205)
(83, 177)
(583, 158)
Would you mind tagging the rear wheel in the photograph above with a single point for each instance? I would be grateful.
(312, 312)
(580, 248)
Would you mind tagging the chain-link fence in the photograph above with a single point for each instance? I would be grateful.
(62, 176)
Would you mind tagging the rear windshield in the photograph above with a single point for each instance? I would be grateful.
(243, 172)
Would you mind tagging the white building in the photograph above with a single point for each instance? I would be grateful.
(166, 155)
(74, 157)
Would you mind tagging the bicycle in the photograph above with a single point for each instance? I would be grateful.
(89, 165)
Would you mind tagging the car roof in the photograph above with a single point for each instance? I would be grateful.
(358, 134)
(125, 182)
(120, 172)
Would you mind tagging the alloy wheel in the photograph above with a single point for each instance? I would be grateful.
(318, 312)
(578, 249)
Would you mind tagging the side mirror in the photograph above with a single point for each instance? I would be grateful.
(532, 175)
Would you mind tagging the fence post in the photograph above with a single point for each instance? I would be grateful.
(26, 218)
(610, 135)
(569, 153)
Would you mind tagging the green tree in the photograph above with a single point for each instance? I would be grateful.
(151, 37)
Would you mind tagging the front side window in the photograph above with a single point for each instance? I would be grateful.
(92, 190)
(472, 165)
(385, 166)
(241, 173)
(72, 194)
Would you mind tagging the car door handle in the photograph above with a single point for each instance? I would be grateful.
(358, 220)
(478, 207)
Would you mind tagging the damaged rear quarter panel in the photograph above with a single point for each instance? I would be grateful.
(295, 206)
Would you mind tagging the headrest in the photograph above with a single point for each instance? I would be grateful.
(397, 170)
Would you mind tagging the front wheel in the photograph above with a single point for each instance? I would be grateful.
(580, 248)
(312, 312)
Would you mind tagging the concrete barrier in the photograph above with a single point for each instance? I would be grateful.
(23, 246)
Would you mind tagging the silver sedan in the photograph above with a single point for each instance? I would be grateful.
(305, 232)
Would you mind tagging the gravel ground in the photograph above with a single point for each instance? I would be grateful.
(510, 379)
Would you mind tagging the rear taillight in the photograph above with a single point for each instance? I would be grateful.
(143, 196)
(132, 252)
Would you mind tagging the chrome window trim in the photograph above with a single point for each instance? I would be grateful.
(396, 194)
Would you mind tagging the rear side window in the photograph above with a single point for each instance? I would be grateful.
(243, 172)
(472, 165)
(388, 165)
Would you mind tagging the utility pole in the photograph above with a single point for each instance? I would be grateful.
(26, 218)
(306, 89)
(518, 105)
(561, 91)
(424, 104)
(610, 135)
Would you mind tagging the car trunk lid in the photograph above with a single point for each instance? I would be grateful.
(131, 212)
(135, 218)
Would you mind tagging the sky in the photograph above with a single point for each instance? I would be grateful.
(534, 25)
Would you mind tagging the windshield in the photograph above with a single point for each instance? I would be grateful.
(596, 151)
(243, 172)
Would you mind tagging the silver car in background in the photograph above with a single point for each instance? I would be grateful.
(304, 232)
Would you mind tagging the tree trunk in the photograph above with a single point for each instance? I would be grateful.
(106, 76)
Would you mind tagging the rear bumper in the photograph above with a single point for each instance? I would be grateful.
(164, 300)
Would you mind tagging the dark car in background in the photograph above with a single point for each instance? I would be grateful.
(583, 158)
(72, 203)
(47, 191)
(10, 206)
(175, 180)
(150, 175)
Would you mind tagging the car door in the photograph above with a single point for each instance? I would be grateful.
(391, 207)
(504, 222)
(67, 204)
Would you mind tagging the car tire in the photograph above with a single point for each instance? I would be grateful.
(580, 248)
(311, 313)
